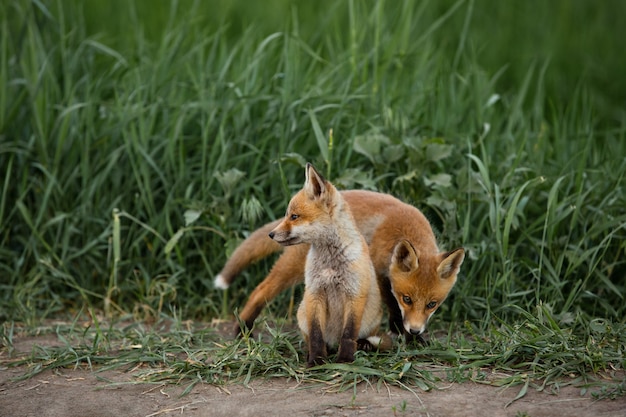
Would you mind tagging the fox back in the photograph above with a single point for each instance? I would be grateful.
(414, 276)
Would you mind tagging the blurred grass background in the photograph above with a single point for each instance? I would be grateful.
(140, 141)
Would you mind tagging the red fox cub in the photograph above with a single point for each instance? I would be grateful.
(341, 300)
(414, 277)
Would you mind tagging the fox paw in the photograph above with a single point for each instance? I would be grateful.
(311, 362)
(345, 358)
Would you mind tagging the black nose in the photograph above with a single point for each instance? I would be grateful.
(271, 235)
(416, 332)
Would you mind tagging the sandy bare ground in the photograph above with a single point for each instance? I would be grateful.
(74, 393)
(71, 392)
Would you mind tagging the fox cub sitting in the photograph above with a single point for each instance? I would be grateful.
(342, 303)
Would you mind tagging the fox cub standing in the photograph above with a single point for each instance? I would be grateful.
(414, 276)
(341, 302)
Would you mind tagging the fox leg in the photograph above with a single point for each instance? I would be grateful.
(317, 345)
(286, 272)
(312, 322)
(347, 345)
(395, 315)
(353, 315)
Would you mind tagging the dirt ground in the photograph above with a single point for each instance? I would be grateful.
(74, 393)
(80, 392)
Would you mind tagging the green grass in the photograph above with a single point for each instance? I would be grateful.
(140, 144)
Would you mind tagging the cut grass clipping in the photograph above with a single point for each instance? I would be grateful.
(139, 144)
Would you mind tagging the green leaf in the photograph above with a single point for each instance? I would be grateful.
(370, 145)
(191, 216)
(294, 158)
(437, 151)
(393, 153)
(174, 240)
(408, 177)
(322, 143)
(351, 178)
(230, 178)
(440, 180)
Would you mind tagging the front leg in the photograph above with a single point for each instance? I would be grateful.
(353, 316)
(317, 345)
(395, 315)
(312, 322)
(347, 345)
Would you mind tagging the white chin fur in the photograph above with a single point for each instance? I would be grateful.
(220, 283)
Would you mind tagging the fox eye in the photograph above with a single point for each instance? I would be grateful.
(406, 299)
(294, 216)
(431, 305)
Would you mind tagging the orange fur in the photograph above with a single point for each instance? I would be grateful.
(341, 302)
(422, 275)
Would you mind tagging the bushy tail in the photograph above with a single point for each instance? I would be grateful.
(256, 247)
(381, 342)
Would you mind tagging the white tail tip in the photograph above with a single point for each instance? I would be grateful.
(220, 282)
(375, 340)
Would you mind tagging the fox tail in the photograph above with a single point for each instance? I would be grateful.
(381, 342)
(256, 247)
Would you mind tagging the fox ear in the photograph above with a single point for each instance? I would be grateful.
(404, 256)
(315, 184)
(451, 263)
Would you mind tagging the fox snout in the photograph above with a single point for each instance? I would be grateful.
(417, 331)
(414, 323)
(284, 237)
(278, 237)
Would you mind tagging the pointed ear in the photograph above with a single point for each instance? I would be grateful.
(451, 263)
(404, 256)
(315, 185)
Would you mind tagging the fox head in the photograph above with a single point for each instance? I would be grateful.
(309, 212)
(421, 284)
